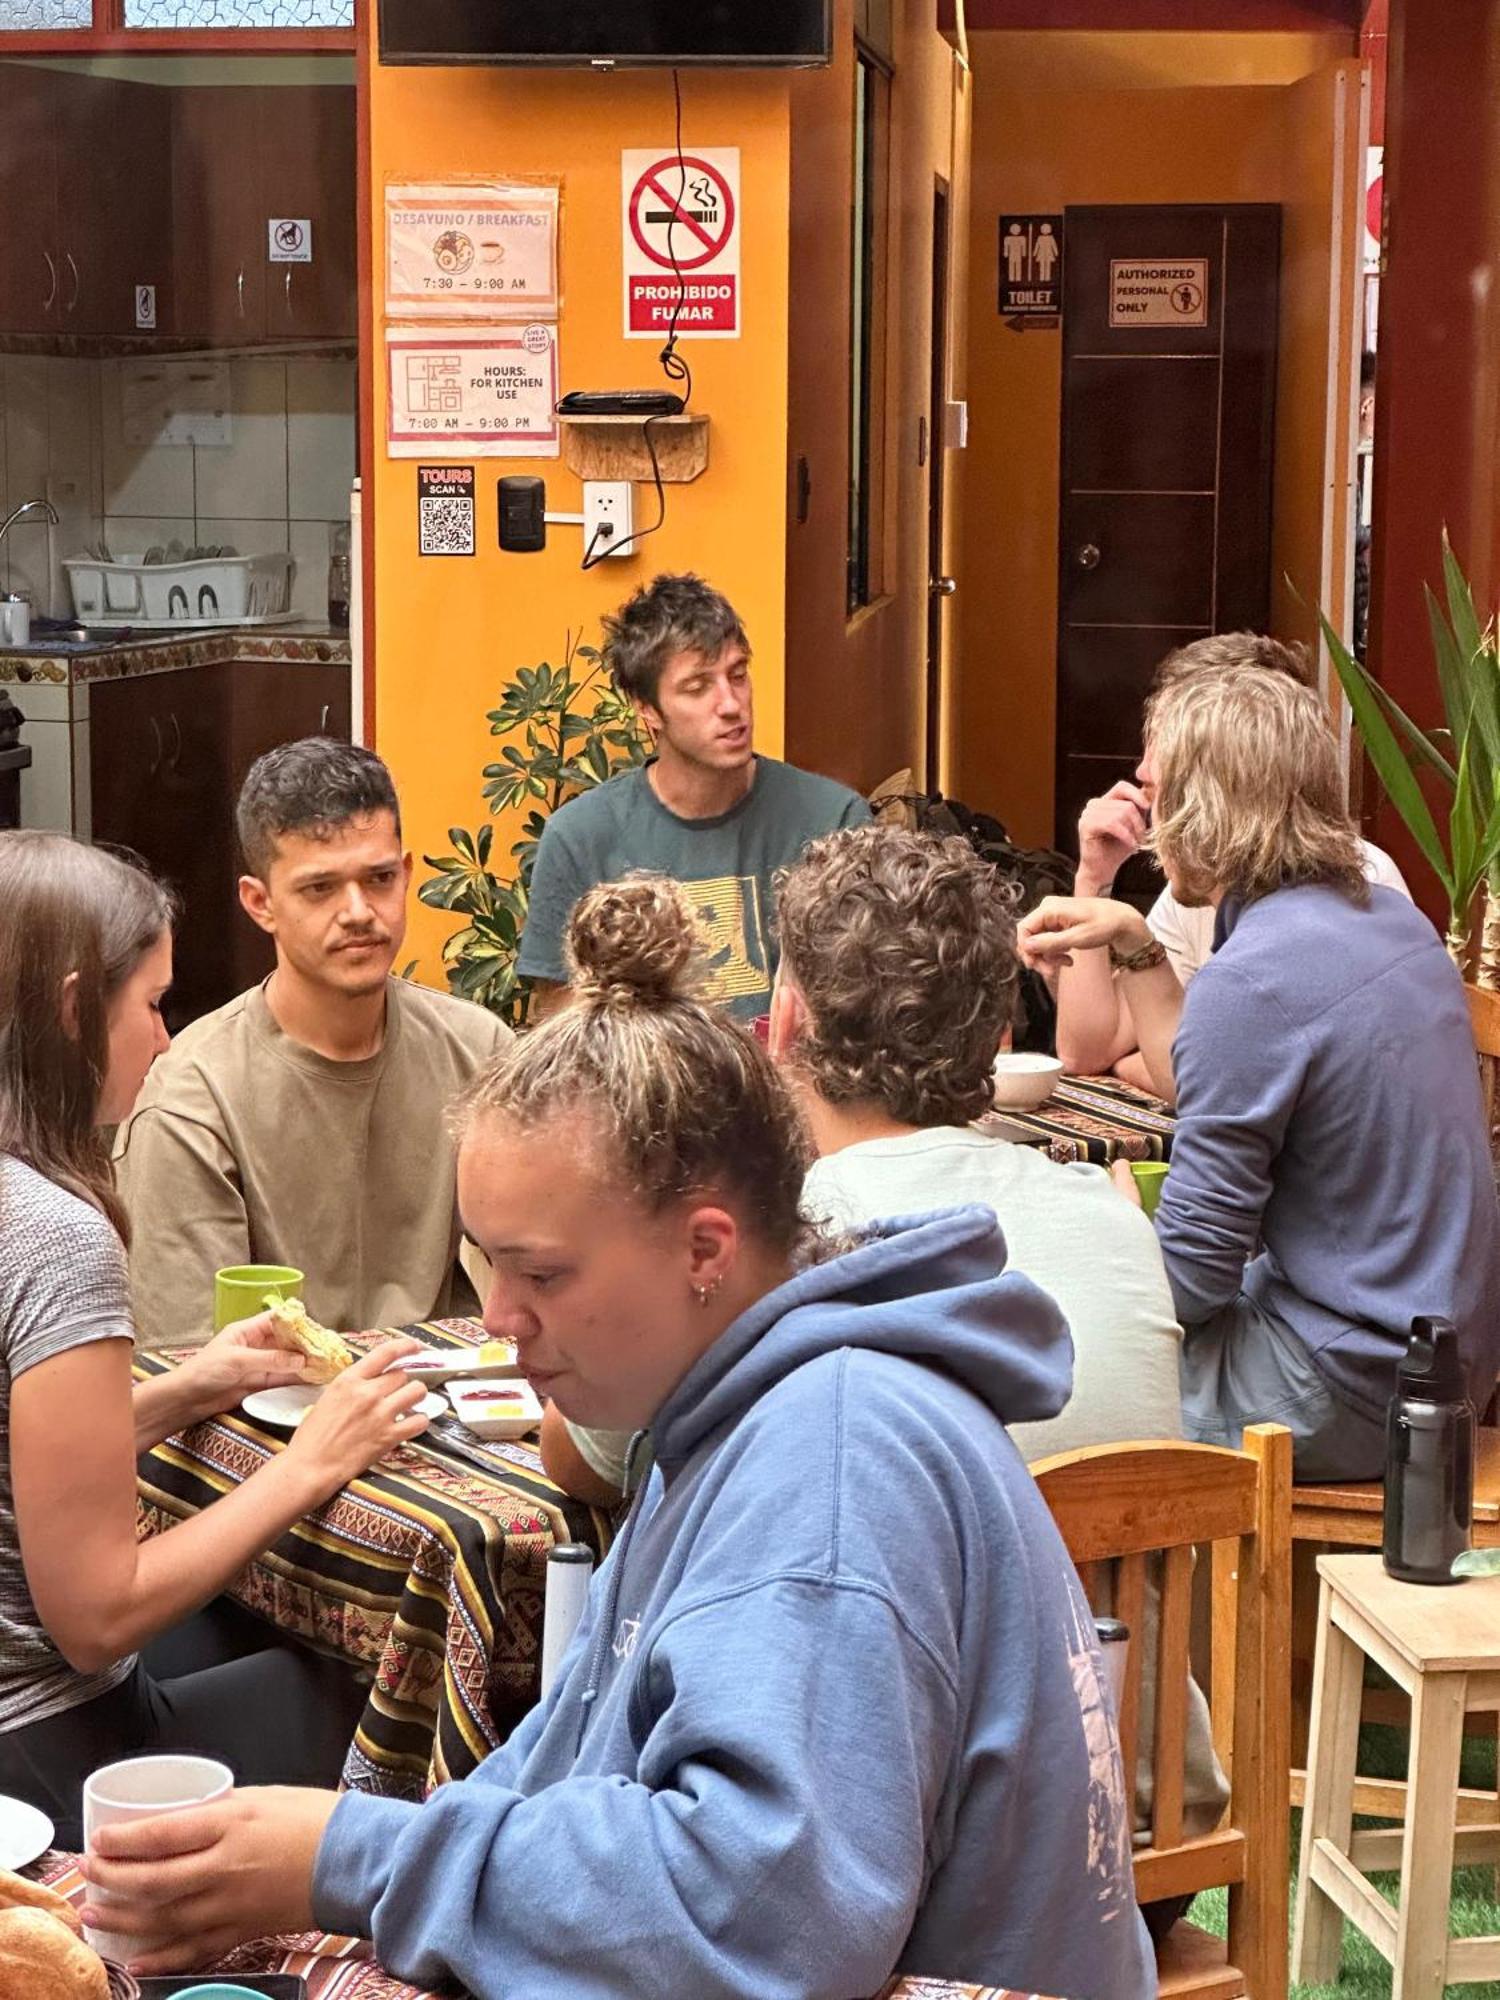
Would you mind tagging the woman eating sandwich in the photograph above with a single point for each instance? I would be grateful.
(106, 1649)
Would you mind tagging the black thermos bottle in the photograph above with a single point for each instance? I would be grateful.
(1429, 1458)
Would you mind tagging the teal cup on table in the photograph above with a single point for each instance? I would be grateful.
(1148, 1176)
(240, 1290)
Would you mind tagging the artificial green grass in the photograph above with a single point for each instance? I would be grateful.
(1363, 1973)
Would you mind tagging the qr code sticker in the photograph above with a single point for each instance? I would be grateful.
(446, 527)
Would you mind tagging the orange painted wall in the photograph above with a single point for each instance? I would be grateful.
(448, 630)
(1119, 136)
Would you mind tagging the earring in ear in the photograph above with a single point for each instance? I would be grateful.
(706, 1292)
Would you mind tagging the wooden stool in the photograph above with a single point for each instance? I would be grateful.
(1442, 1645)
(1349, 1515)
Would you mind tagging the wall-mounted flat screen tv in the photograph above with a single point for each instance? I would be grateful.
(606, 32)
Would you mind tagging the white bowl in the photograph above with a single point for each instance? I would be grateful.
(1023, 1081)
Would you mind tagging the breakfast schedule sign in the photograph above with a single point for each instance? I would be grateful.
(471, 251)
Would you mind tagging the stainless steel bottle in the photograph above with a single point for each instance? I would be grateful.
(1429, 1458)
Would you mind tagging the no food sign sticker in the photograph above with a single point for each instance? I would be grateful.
(681, 237)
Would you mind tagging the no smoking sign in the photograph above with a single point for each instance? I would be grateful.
(680, 226)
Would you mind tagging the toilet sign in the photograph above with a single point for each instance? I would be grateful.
(1158, 291)
(1031, 266)
(680, 230)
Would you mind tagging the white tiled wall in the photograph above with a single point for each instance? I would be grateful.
(277, 485)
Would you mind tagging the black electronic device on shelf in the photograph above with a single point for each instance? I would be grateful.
(605, 34)
(620, 403)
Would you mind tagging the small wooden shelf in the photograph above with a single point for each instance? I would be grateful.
(616, 447)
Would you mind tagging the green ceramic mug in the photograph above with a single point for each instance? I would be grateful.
(240, 1290)
(1149, 1175)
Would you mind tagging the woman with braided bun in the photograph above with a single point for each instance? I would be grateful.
(834, 1710)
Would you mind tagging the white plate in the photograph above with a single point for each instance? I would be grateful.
(25, 1834)
(286, 1407)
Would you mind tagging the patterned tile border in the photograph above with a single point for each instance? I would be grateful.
(166, 655)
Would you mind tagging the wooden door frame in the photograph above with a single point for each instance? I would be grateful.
(939, 331)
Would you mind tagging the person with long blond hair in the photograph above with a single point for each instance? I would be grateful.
(834, 1710)
(101, 1654)
(1330, 1175)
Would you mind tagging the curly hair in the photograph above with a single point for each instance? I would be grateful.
(1250, 791)
(311, 786)
(672, 615)
(684, 1100)
(903, 946)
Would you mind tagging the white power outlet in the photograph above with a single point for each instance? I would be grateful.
(608, 518)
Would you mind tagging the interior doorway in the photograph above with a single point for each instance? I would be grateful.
(1169, 384)
(940, 586)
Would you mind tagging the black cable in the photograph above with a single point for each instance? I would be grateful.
(592, 561)
(673, 365)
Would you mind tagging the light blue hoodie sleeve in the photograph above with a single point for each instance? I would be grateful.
(770, 1845)
(1240, 1066)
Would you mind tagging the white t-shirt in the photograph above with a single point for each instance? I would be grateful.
(1189, 934)
(1068, 1229)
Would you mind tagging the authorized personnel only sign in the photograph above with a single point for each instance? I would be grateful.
(680, 226)
(1158, 291)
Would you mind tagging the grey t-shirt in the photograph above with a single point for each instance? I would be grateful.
(62, 1284)
(726, 863)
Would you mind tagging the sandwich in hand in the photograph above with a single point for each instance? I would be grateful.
(327, 1354)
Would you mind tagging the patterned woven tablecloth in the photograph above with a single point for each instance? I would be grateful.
(429, 1572)
(340, 1968)
(1093, 1118)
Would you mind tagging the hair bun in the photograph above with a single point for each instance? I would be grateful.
(633, 943)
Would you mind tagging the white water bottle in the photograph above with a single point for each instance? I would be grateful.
(570, 1570)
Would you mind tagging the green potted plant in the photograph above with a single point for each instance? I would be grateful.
(564, 730)
(1464, 757)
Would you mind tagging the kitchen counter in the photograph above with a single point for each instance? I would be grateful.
(169, 652)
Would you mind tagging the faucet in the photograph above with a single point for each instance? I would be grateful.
(43, 507)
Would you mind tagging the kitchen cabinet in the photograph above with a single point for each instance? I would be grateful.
(168, 753)
(243, 155)
(218, 226)
(75, 242)
(308, 150)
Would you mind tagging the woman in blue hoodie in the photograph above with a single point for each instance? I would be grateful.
(834, 1709)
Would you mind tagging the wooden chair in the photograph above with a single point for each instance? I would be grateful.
(1118, 1506)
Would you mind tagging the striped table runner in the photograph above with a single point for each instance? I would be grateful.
(1095, 1118)
(428, 1573)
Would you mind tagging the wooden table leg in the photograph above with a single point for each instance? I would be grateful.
(1437, 1735)
(1328, 1814)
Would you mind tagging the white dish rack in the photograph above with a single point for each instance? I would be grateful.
(218, 590)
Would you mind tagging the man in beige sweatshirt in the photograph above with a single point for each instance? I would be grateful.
(303, 1123)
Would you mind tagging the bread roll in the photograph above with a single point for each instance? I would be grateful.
(40, 1959)
(17, 1893)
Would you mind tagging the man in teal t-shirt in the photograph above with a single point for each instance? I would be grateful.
(705, 809)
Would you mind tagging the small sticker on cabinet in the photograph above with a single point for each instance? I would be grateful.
(289, 239)
(145, 307)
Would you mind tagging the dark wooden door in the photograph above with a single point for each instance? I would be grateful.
(30, 281)
(939, 586)
(1169, 379)
(218, 213)
(308, 172)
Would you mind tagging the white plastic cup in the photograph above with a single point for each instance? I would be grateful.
(143, 1788)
